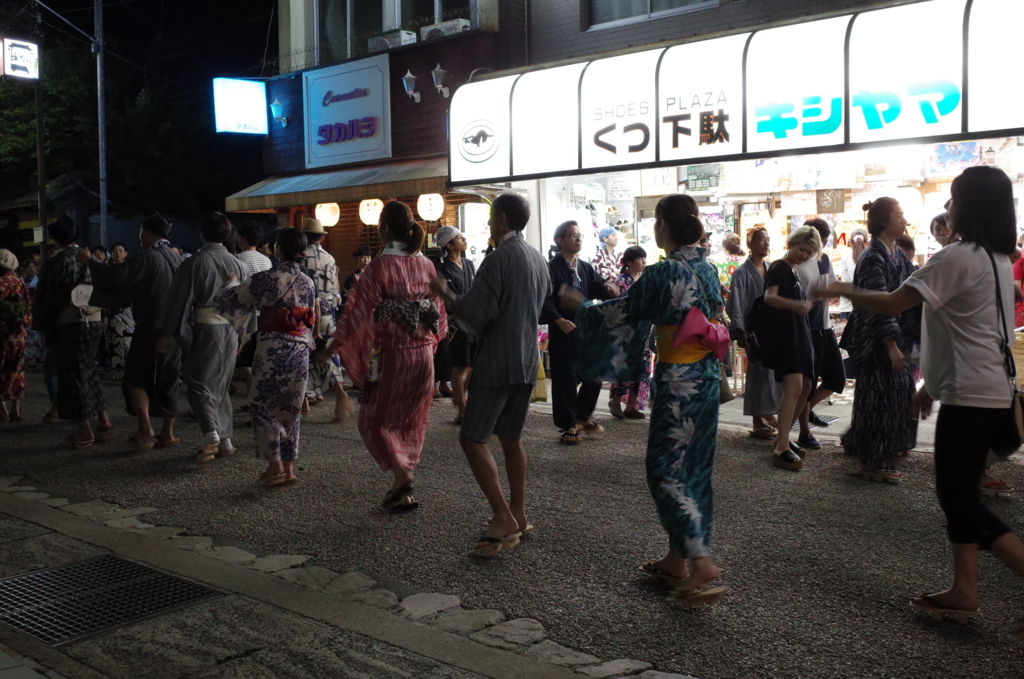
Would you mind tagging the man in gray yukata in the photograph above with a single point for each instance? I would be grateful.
(501, 309)
(150, 381)
(207, 339)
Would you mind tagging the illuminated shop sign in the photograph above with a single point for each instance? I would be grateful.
(20, 59)
(240, 106)
(347, 113)
(894, 74)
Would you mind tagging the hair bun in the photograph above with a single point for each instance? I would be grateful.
(867, 206)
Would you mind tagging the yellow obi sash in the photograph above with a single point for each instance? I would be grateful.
(664, 335)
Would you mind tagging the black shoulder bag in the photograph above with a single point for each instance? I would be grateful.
(1017, 406)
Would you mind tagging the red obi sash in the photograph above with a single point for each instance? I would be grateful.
(287, 321)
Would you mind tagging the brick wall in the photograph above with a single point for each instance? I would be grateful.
(416, 129)
(555, 25)
(512, 16)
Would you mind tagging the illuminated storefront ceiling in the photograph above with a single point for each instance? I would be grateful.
(931, 71)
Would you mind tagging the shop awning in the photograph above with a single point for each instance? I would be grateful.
(810, 87)
(408, 178)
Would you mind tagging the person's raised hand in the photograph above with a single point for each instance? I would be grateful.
(833, 290)
(803, 308)
(614, 290)
(83, 256)
(570, 299)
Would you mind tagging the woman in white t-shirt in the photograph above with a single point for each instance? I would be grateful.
(964, 369)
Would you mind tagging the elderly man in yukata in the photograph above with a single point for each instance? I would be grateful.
(207, 339)
(762, 393)
(150, 382)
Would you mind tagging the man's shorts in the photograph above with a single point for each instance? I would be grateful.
(496, 410)
(828, 360)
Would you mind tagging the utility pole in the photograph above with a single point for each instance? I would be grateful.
(98, 49)
(40, 146)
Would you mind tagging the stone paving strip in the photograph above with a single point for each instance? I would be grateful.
(442, 611)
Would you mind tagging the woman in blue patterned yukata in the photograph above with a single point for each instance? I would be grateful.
(684, 419)
(286, 299)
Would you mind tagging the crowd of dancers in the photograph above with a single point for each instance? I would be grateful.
(275, 311)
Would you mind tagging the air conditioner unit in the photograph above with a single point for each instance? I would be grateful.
(444, 28)
(382, 43)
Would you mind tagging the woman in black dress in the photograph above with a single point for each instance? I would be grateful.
(879, 345)
(788, 350)
(459, 273)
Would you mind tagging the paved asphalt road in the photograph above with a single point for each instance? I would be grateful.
(820, 565)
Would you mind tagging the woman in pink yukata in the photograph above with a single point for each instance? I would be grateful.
(393, 320)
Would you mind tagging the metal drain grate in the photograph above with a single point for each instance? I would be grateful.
(67, 603)
(828, 418)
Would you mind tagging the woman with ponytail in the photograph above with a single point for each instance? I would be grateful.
(386, 339)
(287, 304)
(677, 296)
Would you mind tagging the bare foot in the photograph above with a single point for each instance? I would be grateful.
(702, 571)
(503, 527)
(343, 408)
(675, 567)
(954, 600)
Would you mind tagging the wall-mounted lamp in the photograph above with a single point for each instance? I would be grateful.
(438, 75)
(277, 110)
(409, 83)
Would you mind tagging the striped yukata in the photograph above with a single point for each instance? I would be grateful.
(393, 420)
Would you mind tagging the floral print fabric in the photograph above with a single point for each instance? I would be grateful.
(15, 316)
(684, 420)
(281, 364)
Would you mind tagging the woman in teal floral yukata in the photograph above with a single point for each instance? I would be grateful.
(684, 419)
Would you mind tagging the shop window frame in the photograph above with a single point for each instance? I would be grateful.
(391, 20)
(587, 25)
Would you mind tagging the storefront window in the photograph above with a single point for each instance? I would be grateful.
(454, 9)
(345, 26)
(417, 13)
(607, 11)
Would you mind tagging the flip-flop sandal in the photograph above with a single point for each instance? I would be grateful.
(142, 447)
(76, 444)
(489, 546)
(526, 531)
(457, 420)
(762, 434)
(995, 488)
(591, 427)
(107, 435)
(877, 476)
(400, 499)
(207, 454)
(930, 605)
(226, 453)
(161, 443)
(659, 575)
(697, 597)
(799, 450)
(277, 480)
(568, 438)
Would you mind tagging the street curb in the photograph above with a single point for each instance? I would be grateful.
(370, 622)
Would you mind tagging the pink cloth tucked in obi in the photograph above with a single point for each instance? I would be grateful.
(697, 329)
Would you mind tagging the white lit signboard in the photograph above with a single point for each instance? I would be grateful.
(545, 136)
(618, 123)
(802, 105)
(896, 92)
(684, 104)
(240, 105)
(21, 59)
(701, 90)
(347, 111)
(479, 130)
(997, 100)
